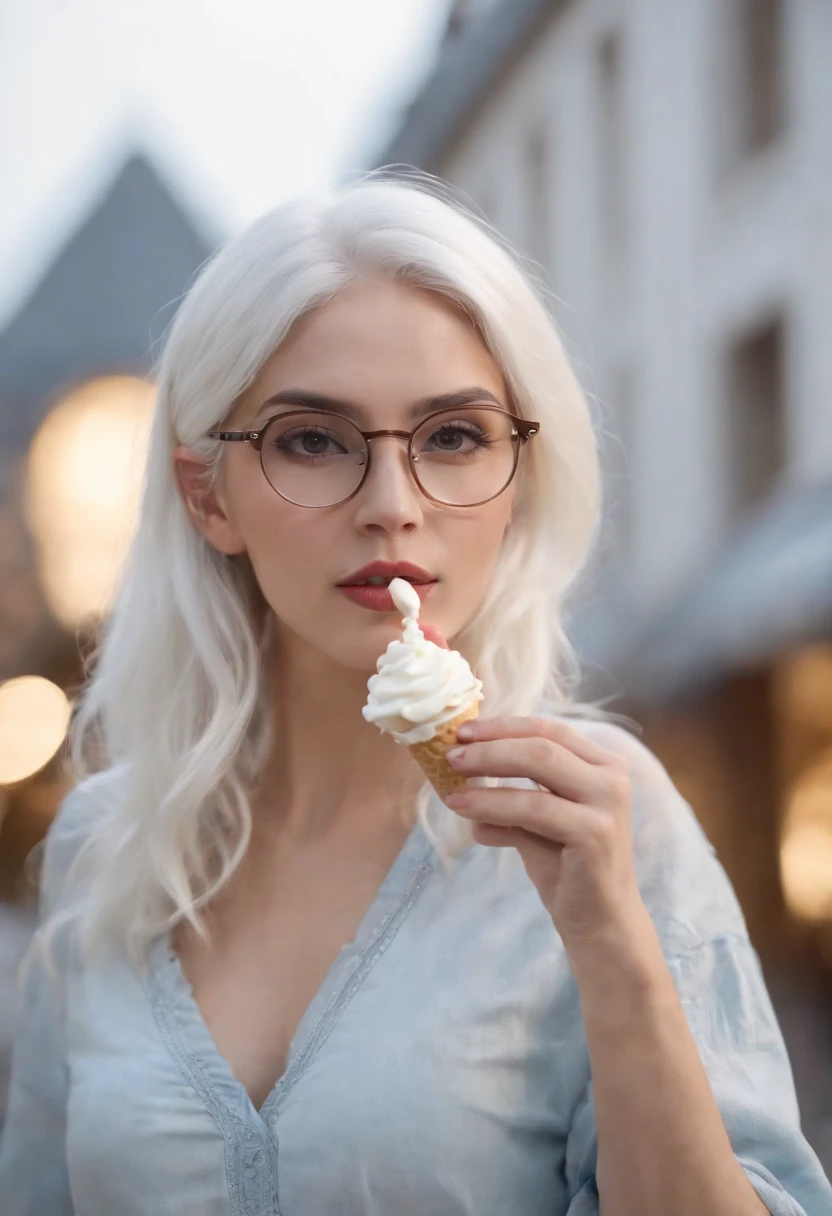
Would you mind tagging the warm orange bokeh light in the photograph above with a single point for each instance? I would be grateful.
(804, 685)
(86, 466)
(34, 715)
(806, 848)
(806, 871)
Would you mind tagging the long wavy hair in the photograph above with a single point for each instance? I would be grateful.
(172, 727)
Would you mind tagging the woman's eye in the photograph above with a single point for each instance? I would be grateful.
(454, 438)
(310, 443)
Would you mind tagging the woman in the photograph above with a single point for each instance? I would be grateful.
(274, 975)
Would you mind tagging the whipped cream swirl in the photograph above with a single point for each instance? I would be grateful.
(418, 686)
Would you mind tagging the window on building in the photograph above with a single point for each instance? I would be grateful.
(617, 431)
(754, 114)
(757, 415)
(486, 200)
(611, 138)
(538, 189)
(625, 429)
(464, 13)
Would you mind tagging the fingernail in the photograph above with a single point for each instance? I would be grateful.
(456, 753)
(465, 732)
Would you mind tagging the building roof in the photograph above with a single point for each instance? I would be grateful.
(100, 308)
(470, 62)
(104, 301)
(770, 589)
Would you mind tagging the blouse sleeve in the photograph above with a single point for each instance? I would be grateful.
(718, 976)
(33, 1170)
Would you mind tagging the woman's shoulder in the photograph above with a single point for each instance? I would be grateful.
(660, 812)
(645, 768)
(680, 876)
(648, 776)
(79, 811)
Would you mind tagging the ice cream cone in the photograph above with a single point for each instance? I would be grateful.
(422, 692)
(432, 755)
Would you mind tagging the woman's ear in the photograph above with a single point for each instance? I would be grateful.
(203, 502)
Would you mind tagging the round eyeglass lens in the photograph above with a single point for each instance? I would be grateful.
(313, 459)
(465, 457)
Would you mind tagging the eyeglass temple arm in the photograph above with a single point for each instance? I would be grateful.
(526, 428)
(234, 436)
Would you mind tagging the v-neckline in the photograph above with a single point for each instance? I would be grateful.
(192, 1043)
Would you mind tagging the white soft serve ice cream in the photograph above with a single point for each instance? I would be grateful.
(418, 685)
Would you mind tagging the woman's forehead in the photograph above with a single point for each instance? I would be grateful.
(380, 346)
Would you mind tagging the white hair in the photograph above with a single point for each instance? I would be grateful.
(172, 728)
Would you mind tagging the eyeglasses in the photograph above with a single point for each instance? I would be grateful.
(459, 457)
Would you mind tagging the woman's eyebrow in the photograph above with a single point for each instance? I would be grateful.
(305, 399)
(452, 401)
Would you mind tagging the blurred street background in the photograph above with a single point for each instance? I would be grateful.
(665, 167)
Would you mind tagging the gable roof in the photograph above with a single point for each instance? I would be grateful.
(104, 301)
(470, 63)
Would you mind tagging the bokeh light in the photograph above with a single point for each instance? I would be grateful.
(806, 845)
(806, 871)
(85, 472)
(804, 686)
(34, 715)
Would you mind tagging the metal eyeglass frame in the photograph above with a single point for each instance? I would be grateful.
(523, 430)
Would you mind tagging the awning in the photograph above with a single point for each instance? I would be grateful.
(769, 590)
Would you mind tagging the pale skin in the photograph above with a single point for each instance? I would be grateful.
(324, 835)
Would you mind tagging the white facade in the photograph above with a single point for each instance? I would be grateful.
(621, 153)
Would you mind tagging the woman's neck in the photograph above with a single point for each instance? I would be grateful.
(328, 769)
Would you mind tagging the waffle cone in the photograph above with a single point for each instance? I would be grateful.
(431, 756)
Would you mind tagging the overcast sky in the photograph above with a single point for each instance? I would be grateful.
(240, 101)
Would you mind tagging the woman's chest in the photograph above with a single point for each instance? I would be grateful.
(273, 941)
(253, 990)
(436, 1070)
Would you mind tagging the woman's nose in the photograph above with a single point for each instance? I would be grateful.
(389, 500)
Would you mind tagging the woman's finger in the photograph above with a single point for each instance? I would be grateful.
(433, 634)
(535, 759)
(508, 838)
(485, 729)
(543, 814)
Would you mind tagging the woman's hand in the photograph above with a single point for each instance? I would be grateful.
(573, 833)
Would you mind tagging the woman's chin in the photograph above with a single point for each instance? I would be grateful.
(364, 654)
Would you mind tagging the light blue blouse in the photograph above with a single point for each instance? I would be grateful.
(441, 1069)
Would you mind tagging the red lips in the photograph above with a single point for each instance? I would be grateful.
(388, 570)
(377, 597)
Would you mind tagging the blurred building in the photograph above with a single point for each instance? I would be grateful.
(666, 168)
(94, 319)
(75, 402)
